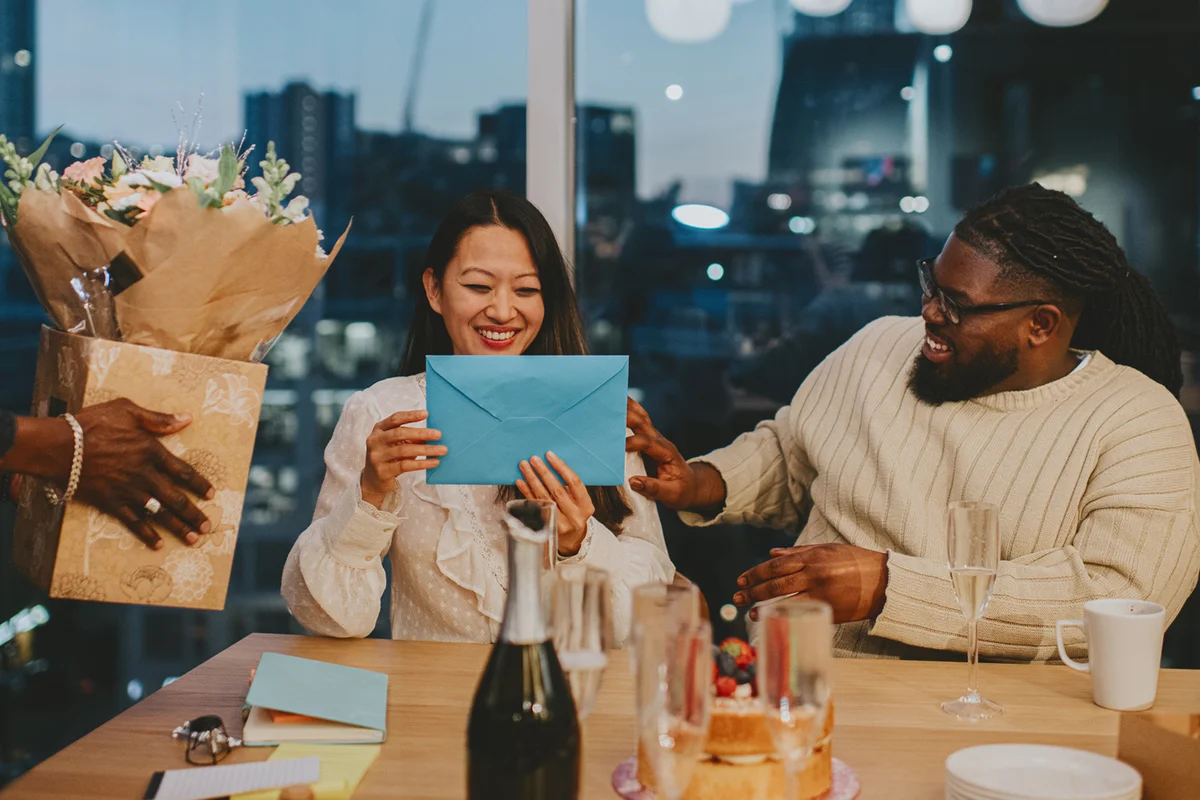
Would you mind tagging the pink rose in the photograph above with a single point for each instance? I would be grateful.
(86, 172)
(206, 169)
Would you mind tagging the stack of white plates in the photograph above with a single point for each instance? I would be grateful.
(1038, 772)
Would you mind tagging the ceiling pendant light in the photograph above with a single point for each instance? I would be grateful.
(937, 17)
(1062, 13)
(820, 8)
(689, 21)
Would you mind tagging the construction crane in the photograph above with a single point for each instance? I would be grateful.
(418, 62)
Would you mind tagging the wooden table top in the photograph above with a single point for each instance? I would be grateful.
(889, 726)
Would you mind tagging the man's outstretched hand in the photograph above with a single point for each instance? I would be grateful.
(670, 479)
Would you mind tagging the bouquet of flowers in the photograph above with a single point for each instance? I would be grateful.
(178, 276)
(169, 252)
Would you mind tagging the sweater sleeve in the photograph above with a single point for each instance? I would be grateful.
(761, 487)
(1138, 537)
(768, 472)
(333, 579)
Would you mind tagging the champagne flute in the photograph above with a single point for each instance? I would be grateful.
(673, 684)
(581, 625)
(973, 555)
(653, 603)
(795, 659)
(652, 606)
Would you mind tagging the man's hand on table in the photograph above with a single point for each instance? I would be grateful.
(852, 580)
(670, 479)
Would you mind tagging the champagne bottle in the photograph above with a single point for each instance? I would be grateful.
(523, 734)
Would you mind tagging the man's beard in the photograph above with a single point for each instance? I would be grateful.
(935, 384)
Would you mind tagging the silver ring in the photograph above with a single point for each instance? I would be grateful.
(152, 506)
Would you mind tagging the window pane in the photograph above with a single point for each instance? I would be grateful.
(751, 200)
(389, 115)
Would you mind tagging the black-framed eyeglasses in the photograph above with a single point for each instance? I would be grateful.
(954, 310)
(207, 742)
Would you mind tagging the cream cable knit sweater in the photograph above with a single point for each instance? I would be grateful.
(1096, 477)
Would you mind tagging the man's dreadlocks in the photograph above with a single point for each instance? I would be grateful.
(1047, 236)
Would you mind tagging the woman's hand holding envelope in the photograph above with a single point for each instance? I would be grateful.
(575, 505)
(393, 449)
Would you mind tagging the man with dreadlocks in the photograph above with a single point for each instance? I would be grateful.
(1041, 377)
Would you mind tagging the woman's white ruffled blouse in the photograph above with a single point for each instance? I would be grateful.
(446, 544)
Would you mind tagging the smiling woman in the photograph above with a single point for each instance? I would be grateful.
(495, 281)
(489, 296)
(495, 284)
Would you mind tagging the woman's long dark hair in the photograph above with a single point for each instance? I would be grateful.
(561, 333)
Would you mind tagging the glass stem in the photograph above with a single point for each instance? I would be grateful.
(973, 659)
(792, 770)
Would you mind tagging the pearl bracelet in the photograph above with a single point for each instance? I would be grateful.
(76, 465)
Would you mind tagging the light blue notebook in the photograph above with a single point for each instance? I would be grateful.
(348, 705)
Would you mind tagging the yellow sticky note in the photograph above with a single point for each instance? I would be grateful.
(342, 767)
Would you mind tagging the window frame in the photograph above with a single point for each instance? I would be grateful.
(550, 118)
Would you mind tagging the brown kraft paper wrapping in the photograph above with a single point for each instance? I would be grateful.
(219, 283)
(58, 239)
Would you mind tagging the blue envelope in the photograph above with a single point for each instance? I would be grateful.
(495, 411)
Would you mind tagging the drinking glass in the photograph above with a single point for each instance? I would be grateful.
(655, 602)
(673, 684)
(581, 626)
(973, 555)
(795, 659)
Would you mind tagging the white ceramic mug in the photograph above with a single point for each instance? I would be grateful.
(1124, 639)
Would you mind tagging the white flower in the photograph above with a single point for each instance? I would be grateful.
(144, 177)
(206, 169)
(46, 179)
(294, 212)
(127, 202)
(159, 164)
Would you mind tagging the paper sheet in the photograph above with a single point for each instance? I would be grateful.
(204, 783)
(342, 767)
